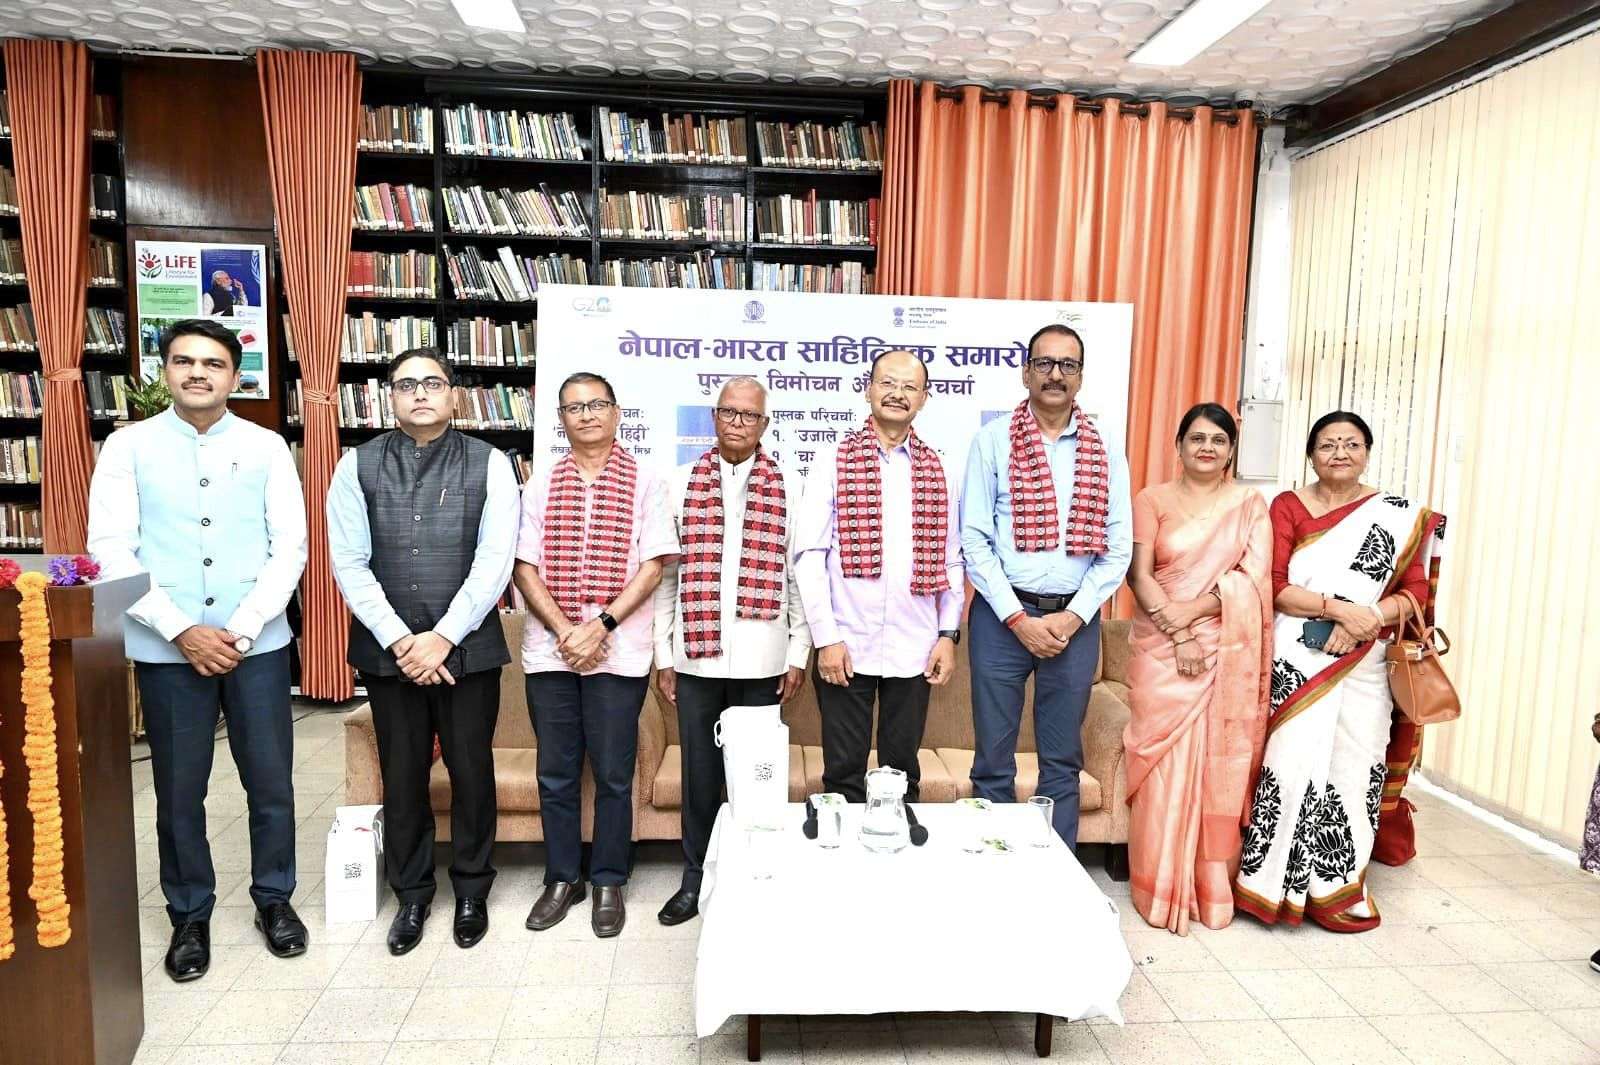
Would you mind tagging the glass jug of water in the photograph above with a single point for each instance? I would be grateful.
(883, 826)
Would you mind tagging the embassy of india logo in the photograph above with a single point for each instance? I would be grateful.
(899, 317)
(754, 311)
(149, 264)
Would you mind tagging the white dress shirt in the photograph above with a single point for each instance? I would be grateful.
(751, 648)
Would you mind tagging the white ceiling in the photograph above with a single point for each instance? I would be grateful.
(1293, 51)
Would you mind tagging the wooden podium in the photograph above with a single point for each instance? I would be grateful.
(82, 1003)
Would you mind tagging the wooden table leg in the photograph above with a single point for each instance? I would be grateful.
(752, 1030)
(1043, 1029)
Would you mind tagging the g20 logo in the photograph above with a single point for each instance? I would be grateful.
(592, 304)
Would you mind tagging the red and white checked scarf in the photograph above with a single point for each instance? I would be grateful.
(586, 560)
(1034, 518)
(761, 559)
(858, 507)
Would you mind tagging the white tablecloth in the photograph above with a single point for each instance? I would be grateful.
(930, 928)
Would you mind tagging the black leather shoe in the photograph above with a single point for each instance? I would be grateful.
(285, 932)
(609, 914)
(553, 905)
(405, 931)
(683, 906)
(189, 956)
(472, 921)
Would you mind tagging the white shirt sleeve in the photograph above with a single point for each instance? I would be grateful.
(350, 552)
(113, 537)
(286, 548)
(491, 562)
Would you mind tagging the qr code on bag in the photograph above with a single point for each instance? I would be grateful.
(352, 871)
(765, 771)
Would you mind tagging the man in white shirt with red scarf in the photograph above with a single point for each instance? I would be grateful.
(730, 628)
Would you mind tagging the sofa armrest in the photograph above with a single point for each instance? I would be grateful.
(363, 778)
(652, 747)
(1103, 728)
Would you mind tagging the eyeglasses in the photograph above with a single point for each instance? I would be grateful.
(432, 385)
(594, 406)
(889, 388)
(735, 416)
(1329, 449)
(1068, 367)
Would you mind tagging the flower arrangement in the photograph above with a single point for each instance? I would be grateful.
(48, 889)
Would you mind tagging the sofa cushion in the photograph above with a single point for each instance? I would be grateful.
(1117, 689)
(938, 785)
(668, 791)
(516, 781)
(959, 762)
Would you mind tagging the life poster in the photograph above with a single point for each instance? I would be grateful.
(226, 283)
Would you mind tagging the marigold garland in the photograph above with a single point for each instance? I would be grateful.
(9, 571)
(48, 890)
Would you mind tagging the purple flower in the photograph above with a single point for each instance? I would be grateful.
(63, 572)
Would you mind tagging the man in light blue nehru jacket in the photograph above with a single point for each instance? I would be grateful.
(209, 505)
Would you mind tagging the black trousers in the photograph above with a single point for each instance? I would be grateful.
(847, 730)
(180, 719)
(405, 717)
(701, 701)
(594, 715)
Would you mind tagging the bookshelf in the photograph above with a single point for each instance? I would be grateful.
(105, 359)
(562, 186)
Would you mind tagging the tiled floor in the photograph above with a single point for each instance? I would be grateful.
(1482, 957)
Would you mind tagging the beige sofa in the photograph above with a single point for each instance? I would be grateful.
(946, 756)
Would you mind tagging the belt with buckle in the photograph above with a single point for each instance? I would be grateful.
(1050, 604)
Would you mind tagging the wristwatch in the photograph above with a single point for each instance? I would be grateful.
(242, 644)
(608, 621)
(953, 635)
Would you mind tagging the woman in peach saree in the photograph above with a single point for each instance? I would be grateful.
(1199, 676)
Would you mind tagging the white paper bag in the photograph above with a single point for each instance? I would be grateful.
(755, 761)
(354, 879)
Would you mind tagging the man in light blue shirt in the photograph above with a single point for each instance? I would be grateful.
(1046, 527)
(209, 506)
(422, 527)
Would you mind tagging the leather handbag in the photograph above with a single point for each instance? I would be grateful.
(1417, 679)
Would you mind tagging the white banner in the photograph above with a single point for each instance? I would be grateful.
(667, 353)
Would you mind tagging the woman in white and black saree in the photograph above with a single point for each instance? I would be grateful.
(1342, 553)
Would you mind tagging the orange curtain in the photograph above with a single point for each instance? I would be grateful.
(47, 84)
(1000, 199)
(312, 105)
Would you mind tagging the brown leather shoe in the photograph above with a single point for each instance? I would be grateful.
(609, 914)
(553, 904)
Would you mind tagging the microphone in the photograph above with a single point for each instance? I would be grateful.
(810, 825)
(918, 834)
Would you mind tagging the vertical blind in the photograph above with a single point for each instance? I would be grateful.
(1444, 266)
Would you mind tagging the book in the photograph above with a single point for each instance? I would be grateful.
(17, 332)
(808, 219)
(373, 338)
(845, 145)
(396, 208)
(105, 197)
(396, 128)
(105, 262)
(471, 130)
(540, 212)
(851, 277)
(704, 269)
(393, 275)
(103, 118)
(682, 138)
(636, 215)
(10, 205)
(506, 276)
(485, 342)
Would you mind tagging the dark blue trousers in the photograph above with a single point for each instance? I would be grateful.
(1000, 666)
(180, 717)
(595, 716)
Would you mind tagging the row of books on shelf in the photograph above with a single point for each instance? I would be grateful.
(540, 212)
(104, 330)
(105, 262)
(407, 208)
(521, 464)
(366, 405)
(845, 146)
(396, 128)
(672, 216)
(373, 339)
(485, 342)
(105, 195)
(704, 269)
(21, 527)
(505, 275)
(809, 220)
(852, 277)
(481, 131)
(102, 117)
(22, 394)
(393, 275)
(683, 138)
(19, 460)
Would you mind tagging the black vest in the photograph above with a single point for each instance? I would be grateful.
(423, 506)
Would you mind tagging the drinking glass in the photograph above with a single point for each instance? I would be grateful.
(830, 818)
(974, 824)
(1046, 828)
(762, 843)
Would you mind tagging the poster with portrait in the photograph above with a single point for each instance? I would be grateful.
(226, 283)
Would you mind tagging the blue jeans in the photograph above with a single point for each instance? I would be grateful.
(1000, 667)
(595, 715)
(180, 717)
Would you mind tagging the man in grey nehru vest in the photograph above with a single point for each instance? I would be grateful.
(422, 525)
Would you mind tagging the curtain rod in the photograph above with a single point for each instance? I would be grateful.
(1226, 115)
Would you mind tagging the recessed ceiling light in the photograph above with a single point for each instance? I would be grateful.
(490, 15)
(1202, 24)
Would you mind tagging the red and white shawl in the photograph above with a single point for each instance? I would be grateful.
(761, 559)
(858, 509)
(586, 555)
(1035, 521)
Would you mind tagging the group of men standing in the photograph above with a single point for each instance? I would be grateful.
(723, 578)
